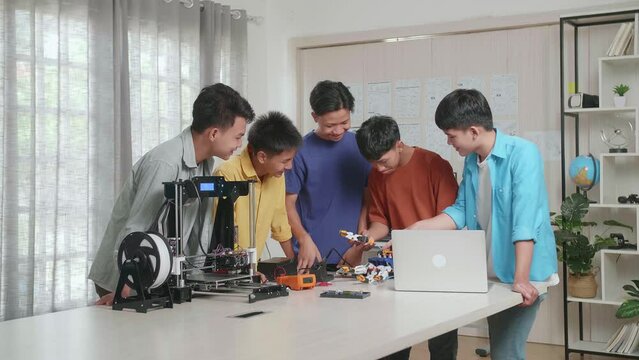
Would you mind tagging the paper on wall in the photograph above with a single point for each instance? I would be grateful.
(379, 99)
(504, 95)
(411, 135)
(508, 127)
(407, 98)
(436, 140)
(436, 90)
(471, 82)
(548, 142)
(357, 116)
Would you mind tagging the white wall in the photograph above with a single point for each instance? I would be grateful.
(272, 61)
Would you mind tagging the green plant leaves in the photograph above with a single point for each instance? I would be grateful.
(578, 255)
(601, 242)
(629, 309)
(575, 207)
(631, 290)
(573, 247)
(618, 224)
(621, 89)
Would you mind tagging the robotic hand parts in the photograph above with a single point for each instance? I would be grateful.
(368, 273)
(364, 239)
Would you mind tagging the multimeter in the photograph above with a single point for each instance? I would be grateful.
(297, 282)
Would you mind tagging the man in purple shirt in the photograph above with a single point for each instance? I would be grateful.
(325, 188)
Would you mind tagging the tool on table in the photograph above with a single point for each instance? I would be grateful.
(297, 282)
(345, 294)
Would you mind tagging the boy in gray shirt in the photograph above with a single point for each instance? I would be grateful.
(220, 116)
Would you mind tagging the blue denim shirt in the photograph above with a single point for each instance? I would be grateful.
(520, 206)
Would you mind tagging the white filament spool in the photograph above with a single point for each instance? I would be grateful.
(157, 252)
(164, 259)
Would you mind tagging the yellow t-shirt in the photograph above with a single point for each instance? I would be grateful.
(269, 203)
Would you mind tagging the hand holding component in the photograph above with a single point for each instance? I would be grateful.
(357, 238)
(308, 254)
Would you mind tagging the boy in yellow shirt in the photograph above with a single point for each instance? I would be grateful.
(272, 143)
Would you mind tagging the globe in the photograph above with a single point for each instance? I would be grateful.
(584, 171)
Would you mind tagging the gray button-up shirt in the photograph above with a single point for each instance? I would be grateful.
(143, 195)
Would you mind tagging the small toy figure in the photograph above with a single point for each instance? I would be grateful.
(368, 273)
(360, 270)
(357, 237)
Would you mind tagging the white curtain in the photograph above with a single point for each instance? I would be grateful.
(87, 87)
(223, 45)
(57, 155)
(173, 51)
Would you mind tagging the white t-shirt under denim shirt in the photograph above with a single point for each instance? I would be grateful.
(484, 217)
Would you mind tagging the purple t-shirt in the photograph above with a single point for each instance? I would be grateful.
(329, 178)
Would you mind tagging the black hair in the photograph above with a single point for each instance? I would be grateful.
(218, 105)
(273, 133)
(377, 136)
(462, 109)
(328, 96)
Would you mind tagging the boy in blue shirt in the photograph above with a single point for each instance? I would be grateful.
(502, 192)
(325, 188)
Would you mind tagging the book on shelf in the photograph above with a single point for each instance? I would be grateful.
(632, 332)
(625, 340)
(617, 339)
(623, 39)
(613, 338)
(630, 49)
(616, 40)
(626, 39)
(634, 346)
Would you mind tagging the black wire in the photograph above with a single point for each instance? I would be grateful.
(338, 254)
(199, 199)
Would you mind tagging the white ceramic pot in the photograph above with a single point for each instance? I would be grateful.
(620, 101)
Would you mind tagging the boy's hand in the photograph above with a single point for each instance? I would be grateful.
(361, 245)
(108, 298)
(527, 291)
(307, 255)
(263, 278)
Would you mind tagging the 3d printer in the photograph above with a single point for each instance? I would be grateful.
(154, 264)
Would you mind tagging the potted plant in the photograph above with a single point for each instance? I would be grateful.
(630, 307)
(575, 249)
(620, 90)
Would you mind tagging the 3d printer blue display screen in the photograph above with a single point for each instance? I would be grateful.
(207, 186)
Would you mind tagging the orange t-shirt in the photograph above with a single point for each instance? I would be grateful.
(419, 190)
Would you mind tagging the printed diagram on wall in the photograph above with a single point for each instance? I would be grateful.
(509, 127)
(436, 90)
(436, 140)
(357, 116)
(471, 82)
(407, 98)
(411, 135)
(548, 142)
(379, 99)
(504, 97)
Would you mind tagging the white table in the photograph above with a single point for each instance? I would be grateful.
(300, 326)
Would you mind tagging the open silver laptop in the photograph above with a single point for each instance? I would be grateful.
(440, 260)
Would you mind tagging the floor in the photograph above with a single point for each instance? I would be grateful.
(467, 346)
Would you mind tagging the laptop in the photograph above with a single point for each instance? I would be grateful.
(440, 260)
